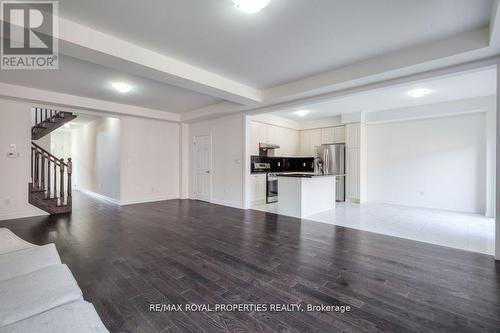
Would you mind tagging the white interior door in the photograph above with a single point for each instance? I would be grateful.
(202, 158)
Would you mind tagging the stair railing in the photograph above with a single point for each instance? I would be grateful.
(51, 175)
(42, 116)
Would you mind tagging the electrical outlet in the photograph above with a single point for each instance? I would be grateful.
(7, 201)
(422, 193)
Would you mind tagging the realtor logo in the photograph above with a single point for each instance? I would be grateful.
(29, 31)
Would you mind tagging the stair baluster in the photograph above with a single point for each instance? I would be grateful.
(37, 166)
(55, 180)
(70, 172)
(59, 200)
(61, 185)
(42, 174)
(48, 178)
(32, 165)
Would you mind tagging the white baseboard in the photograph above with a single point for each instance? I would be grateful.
(99, 196)
(23, 214)
(153, 199)
(228, 204)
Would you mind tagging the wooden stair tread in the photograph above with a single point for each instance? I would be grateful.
(48, 125)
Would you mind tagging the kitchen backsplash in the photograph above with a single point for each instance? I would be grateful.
(285, 164)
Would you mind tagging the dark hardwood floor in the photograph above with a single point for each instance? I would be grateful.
(182, 251)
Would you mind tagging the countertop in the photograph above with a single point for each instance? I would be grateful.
(306, 175)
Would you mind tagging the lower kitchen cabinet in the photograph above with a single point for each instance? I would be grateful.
(258, 188)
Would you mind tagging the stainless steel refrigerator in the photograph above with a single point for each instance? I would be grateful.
(333, 158)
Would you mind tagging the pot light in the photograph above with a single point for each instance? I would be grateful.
(419, 92)
(121, 87)
(302, 113)
(250, 6)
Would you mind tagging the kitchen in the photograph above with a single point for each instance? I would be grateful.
(307, 165)
(414, 166)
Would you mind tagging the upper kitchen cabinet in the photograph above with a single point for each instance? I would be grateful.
(339, 134)
(332, 135)
(327, 135)
(309, 140)
(287, 139)
(254, 138)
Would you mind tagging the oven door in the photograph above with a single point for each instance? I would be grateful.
(271, 188)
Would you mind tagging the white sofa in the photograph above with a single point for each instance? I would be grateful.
(38, 293)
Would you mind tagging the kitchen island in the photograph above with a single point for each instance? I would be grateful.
(302, 195)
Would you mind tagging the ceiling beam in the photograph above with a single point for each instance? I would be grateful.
(85, 43)
(91, 45)
(222, 109)
(495, 23)
(32, 95)
(383, 67)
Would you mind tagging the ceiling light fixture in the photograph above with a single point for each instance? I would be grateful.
(419, 92)
(122, 87)
(302, 113)
(250, 6)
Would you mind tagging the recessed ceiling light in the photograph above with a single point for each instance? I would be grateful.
(419, 92)
(67, 125)
(302, 113)
(122, 87)
(250, 6)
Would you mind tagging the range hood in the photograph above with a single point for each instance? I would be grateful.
(263, 145)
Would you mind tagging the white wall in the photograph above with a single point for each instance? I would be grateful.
(490, 160)
(60, 144)
(150, 159)
(185, 161)
(435, 163)
(15, 128)
(96, 157)
(497, 179)
(228, 154)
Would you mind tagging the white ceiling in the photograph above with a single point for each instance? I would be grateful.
(288, 40)
(86, 79)
(469, 85)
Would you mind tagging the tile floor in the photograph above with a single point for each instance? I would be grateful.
(472, 232)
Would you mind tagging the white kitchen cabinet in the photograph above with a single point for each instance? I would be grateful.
(277, 135)
(327, 135)
(353, 174)
(339, 134)
(356, 167)
(309, 141)
(254, 138)
(293, 140)
(315, 141)
(286, 138)
(305, 137)
(258, 188)
(288, 141)
(333, 135)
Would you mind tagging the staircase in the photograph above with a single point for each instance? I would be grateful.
(50, 186)
(47, 121)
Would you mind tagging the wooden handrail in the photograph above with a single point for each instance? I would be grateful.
(49, 155)
(51, 184)
(56, 187)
